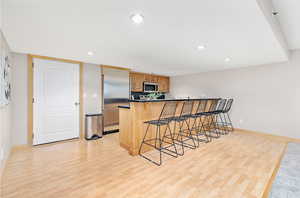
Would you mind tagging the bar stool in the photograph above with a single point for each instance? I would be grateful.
(218, 119)
(226, 119)
(198, 125)
(210, 125)
(184, 134)
(159, 142)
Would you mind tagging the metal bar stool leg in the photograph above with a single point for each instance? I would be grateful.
(215, 123)
(172, 143)
(203, 131)
(144, 142)
(181, 138)
(144, 139)
(212, 127)
(230, 123)
(219, 125)
(190, 136)
(160, 144)
(223, 124)
(196, 129)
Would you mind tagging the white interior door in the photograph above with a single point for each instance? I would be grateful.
(56, 101)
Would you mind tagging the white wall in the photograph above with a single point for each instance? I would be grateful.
(1, 13)
(5, 118)
(92, 89)
(19, 99)
(5, 134)
(267, 98)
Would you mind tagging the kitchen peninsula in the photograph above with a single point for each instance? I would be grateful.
(132, 118)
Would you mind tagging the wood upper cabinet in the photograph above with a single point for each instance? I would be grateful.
(136, 82)
(151, 78)
(164, 83)
(147, 77)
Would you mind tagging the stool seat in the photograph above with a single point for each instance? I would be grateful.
(157, 122)
(199, 114)
(216, 112)
(180, 118)
(207, 113)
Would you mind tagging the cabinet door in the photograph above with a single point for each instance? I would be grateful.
(148, 78)
(154, 79)
(151, 78)
(163, 84)
(167, 84)
(132, 82)
(136, 82)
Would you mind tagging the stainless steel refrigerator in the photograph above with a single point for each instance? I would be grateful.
(116, 92)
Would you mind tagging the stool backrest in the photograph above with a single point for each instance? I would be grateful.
(221, 105)
(228, 105)
(169, 109)
(201, 106)
(187, 107)
(213, 105)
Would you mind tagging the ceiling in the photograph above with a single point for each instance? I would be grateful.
(289, 15)
(166, 43)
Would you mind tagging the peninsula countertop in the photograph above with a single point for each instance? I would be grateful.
(164, 100)
(174, 99)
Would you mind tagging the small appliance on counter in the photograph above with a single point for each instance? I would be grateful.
(147, 96)
(93, 126)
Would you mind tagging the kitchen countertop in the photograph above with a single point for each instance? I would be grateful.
(115, 100)
(163, 100)
(124, 106)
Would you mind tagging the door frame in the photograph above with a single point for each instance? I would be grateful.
(30, 58)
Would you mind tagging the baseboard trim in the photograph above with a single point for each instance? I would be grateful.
(2, 170)
(272, 136)
(20, 147)
(110, 132)
(3, 165)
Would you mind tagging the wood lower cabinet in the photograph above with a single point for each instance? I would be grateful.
(111, 114)
(137, 80)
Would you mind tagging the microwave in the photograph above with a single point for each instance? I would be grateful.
(150, 87)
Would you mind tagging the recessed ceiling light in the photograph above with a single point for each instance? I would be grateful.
(227, 59)
(90, 53)
(201, 47)
(137, 18)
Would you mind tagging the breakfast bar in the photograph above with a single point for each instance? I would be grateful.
(132, 118)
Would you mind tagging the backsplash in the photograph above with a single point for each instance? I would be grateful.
(137, 95)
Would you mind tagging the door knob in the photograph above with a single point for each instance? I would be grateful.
(77, 103)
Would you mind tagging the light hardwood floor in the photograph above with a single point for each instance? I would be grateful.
(238, 165)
